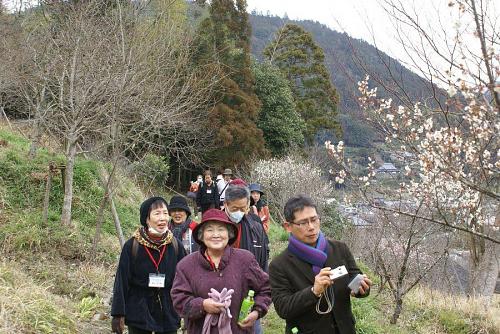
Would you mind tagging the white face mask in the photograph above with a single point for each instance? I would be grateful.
(235, 217)
(153, 231)
(200, 180)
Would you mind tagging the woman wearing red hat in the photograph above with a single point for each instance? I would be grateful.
(210, 284)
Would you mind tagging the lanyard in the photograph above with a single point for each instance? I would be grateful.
(157, 264)
(212, 263)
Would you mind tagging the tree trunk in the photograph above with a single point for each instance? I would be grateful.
(46, 198)
(106, 184)
(68, 183)
(100, 219)
(5, 116)
(484, 271)
(116, 219)
(35, 140)
(397, 309)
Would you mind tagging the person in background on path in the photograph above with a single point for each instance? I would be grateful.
(181, 224)
(208, 194)
(222, 185)
(141, 293)
(259, 206)
(251, 234)
(300, 275)
(193, 192)
(219, 266)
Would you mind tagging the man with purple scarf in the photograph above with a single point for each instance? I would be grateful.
(300, 275)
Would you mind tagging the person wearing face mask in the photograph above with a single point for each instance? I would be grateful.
(251, 234)
(141, 293)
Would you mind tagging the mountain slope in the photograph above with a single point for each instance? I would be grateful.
(348, 60)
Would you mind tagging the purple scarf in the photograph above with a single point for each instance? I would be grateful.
(313, 255)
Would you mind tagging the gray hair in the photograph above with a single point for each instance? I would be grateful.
(236, 192)
(230, 231)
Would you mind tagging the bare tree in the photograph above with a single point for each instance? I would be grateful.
(402, 250)
(115, 83)
(163, 101)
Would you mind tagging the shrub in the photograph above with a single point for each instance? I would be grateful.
(151, 171)
(282, 178)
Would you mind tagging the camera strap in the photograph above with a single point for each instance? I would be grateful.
(329, 299)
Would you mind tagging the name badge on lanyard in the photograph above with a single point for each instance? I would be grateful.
(209, 191)
(156, 280)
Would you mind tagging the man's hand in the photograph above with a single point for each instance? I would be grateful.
(322, 281)
(211, 306)
(118, 325)
(365, 286)
(249, 320)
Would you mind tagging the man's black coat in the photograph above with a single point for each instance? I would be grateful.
(291, 282)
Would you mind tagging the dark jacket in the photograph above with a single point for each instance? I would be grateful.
(208, 197)
(144, 307)
(291, 282)
(238, 270)
(254, 239)
(183, 232)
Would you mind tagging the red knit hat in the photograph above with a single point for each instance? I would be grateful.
(216, 215)
(238, 182)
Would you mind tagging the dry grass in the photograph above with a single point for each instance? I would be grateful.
(454, 314)
(28, 307)
(53, 297)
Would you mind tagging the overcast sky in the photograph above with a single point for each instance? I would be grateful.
(367, 18)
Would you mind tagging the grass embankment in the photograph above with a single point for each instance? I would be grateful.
(51, 280)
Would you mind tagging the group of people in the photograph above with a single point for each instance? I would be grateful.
(208, 194)
(175, 268)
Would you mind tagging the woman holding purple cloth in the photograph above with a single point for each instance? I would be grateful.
(210, 284)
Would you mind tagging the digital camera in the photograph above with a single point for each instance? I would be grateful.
(338, 272)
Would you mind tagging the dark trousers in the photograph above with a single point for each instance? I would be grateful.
(133, 330)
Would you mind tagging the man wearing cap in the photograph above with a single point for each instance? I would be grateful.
(222, 185)
(141, 293)
(210, 285)
(208, 194)
(181, 224)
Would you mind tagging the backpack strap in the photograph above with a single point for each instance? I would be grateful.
(224, 189)
(176, 247)
(135, 249)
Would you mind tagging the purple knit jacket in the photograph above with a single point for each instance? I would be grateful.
(238, 270)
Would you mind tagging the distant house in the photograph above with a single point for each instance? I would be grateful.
(388, 168)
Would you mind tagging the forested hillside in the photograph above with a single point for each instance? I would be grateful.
(348, 61)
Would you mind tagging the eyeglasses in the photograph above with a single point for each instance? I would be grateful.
(305, 222)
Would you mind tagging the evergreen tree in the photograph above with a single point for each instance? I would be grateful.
(301, 61)
(282, 125)
(225, 39)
